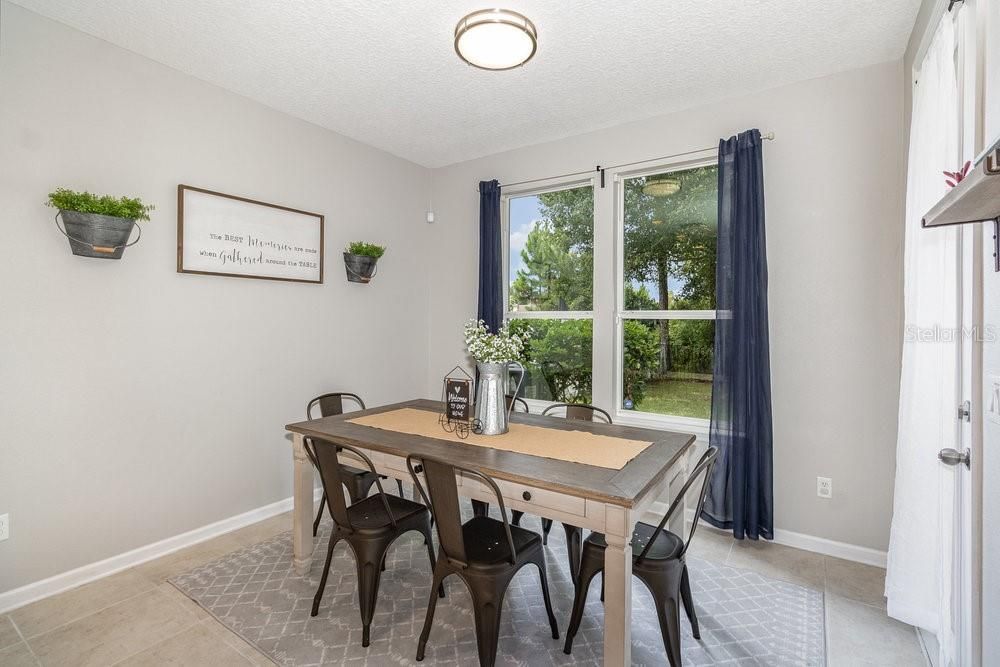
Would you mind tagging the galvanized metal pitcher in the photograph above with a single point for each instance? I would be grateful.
(492, 411)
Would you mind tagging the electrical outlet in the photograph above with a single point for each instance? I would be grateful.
(4, 527)
(824, 487)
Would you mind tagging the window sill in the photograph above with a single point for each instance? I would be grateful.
(696, 427)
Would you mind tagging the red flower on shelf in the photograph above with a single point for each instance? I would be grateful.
(953, 178)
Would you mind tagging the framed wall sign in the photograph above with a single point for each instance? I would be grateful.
(225, 235)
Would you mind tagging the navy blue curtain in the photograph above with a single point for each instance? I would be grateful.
(740, 495)
(490, 256)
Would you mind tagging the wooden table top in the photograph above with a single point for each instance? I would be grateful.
(618, 487)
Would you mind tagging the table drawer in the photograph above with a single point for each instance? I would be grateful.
(528, 498)
(390, 462)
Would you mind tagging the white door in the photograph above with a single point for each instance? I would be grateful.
(968, 460)
(989, 464)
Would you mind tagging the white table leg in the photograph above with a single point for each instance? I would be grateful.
(618, 589)
(303, 510)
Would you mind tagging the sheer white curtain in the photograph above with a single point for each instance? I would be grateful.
(918, 585)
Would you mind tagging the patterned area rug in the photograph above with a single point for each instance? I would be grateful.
(745, 618)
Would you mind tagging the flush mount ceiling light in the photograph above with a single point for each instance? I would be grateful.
(662, 186)
(495, 39)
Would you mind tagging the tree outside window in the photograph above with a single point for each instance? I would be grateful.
(668, 272)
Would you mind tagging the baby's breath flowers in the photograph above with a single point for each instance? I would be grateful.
(493, 348)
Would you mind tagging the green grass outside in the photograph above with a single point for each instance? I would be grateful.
(682, 398)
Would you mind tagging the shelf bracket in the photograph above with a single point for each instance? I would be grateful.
(996, 245)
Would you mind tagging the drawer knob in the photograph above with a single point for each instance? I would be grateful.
(526, 495)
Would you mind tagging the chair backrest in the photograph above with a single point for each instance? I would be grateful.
(703, 471)
(442, 497)
(332, 404)
(325, 456)
(517, 403)
(580, 411)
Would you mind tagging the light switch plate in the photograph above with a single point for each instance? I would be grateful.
(4, 527)
(992, 398)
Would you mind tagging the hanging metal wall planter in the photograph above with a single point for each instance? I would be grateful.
(96, 235)
(360, 268)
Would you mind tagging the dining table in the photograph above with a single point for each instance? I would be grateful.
(597, 476)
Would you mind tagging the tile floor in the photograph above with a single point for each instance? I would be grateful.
(135, 618)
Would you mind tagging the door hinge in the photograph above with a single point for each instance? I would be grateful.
(965, 411)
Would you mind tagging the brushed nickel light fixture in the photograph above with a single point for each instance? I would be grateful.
(662, 185)
(495, 39)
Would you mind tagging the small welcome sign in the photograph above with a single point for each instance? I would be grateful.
(458, 399)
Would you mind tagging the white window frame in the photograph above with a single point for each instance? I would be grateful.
(608, 358)
(694, 425)
(508, 314)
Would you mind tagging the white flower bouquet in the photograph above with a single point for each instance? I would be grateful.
(493, 348)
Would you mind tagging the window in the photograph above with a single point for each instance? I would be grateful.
(666, 270)
(550, 287)
(616, 285)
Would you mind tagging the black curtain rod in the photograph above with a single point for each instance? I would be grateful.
(766, 137)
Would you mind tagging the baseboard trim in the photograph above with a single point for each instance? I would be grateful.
(59, 583)
(821, 545)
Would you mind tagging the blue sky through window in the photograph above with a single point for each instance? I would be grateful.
(524, 214)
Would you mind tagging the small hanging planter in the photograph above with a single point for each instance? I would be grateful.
(98, 226)
(360, 260)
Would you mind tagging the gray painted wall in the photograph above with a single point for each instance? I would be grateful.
(833, 181)
(137, 403)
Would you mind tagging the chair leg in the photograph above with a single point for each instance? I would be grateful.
(588, 569)
(399, 483)
(326, 573)
(689, 603)
(574, 549)
(668, 611)
(319, 514)
(546, 527)
(479, 508)
(487, 604)
(515, 517)
(440, 572)
(426, 530)
(369, 573)
(540, 563)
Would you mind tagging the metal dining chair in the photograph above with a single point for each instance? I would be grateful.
(658, 561)
(480, 508)
(574, 535)
(581, 411)
(369, 526)
(520, 405)
(357, 482)
(485, 553)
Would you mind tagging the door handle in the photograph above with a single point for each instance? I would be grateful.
(953, 457)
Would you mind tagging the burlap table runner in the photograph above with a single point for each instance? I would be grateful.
(576, 446)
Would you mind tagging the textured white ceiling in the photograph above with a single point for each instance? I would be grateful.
(385, 72)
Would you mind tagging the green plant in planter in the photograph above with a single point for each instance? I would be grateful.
(360, 259)
(365, 249)
(128, 208)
